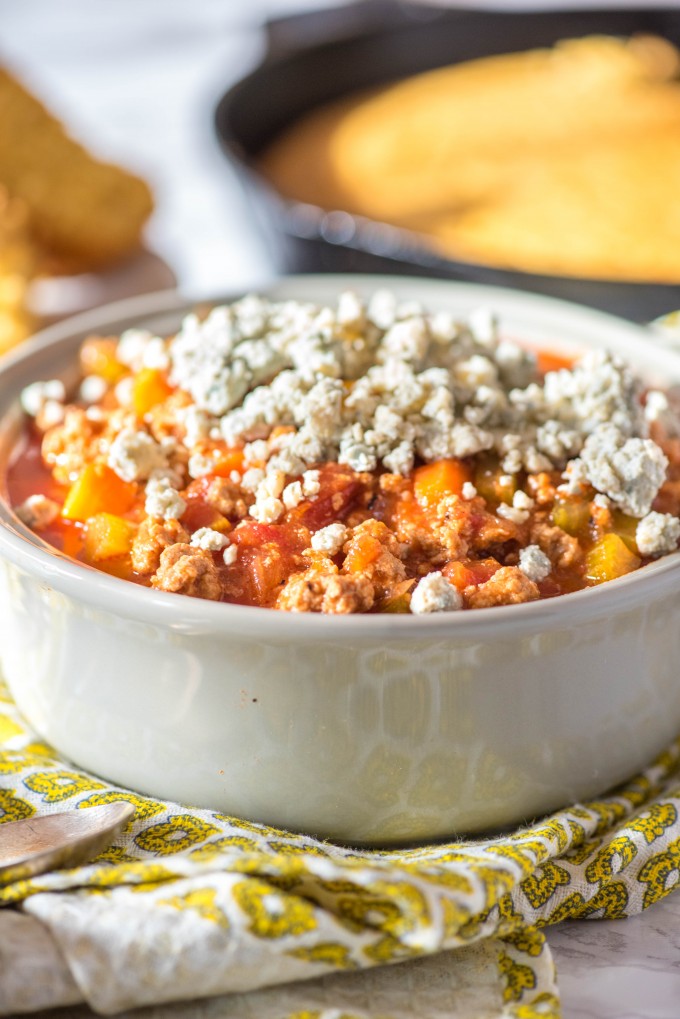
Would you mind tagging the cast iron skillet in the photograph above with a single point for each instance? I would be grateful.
(316, 57)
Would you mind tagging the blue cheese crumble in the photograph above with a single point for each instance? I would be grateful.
(657, 534)
(434, 593)
(381, 384)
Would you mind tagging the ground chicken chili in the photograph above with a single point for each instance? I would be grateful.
(356, 458)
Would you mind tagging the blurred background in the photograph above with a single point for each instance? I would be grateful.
(137, 84)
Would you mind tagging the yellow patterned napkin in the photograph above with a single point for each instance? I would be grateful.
(190, 903)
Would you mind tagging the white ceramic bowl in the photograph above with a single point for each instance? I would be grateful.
(367, 729)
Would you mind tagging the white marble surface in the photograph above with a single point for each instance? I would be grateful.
(137, 80)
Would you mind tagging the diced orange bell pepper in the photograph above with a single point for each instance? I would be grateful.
(361, 553)
(201, 514)
(470, 572)
(120, 566)
(228, 460)
(98, 489)
(436, 480)
(149, 388)
(98, 357)
(72, 538)
(107, 536)
(608, 559)
(548, 361)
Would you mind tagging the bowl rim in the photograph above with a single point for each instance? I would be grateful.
(184, 614)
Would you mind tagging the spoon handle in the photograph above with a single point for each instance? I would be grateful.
(38, 844)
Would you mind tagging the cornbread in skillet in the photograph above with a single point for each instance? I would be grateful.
(563, 161)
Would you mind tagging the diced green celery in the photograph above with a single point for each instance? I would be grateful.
(492, 483)
(626, 528)
(571, 514)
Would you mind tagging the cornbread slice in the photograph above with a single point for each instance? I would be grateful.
(84, 212)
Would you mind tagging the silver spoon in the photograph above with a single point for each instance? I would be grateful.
(37, 844)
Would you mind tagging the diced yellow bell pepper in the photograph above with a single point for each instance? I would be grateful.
(98, 489)
(107, 536)
(608, 559)
(436, 480)
(149, 388)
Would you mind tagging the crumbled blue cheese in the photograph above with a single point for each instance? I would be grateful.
(519, 512)
(657, 534)
(511, 513)
(629, 471)
(351, 311)
(200, 464)
(139, 348)
(34, 397)
(575, 477)
(272, 485)
(522, 501)
(198, 425)
(659, 408)
(255, 452)
(92, 389)
(513, 462)
(484, 326)
(135, 455)
(162, 498)
(603, 501)
(468, 491)
(383, 383)
(311, 483)
(407, 341)
(52, 413)
(599, 389)
(123, 391)
(230, 555)
(330, 539)
(534, 563)
(475, 371)
(292, 495)
(38, 512)
(268, 506)
(267, 510)
(251, 479)
(382, 309)
(400, 459)
(209, 539)
(434, 593)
